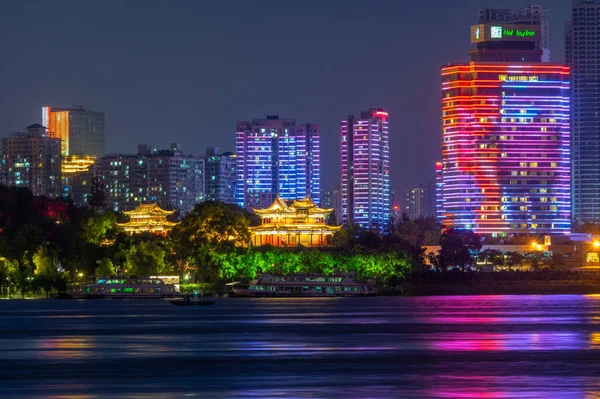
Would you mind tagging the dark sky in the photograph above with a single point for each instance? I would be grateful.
(187, 70)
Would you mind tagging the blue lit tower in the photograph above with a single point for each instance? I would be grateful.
(365, 170)
(276, 157)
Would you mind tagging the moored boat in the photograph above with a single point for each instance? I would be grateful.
(127, 287)
(306, 285)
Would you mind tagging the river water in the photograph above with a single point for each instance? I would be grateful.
(425, 347)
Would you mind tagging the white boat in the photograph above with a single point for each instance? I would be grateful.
(305, 285)
(127, 287)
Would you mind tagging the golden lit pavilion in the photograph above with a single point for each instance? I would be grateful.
(289, 223)
(149, 218)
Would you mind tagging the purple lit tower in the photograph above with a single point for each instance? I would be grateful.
(365, 170)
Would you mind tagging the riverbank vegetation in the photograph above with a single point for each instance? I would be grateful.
(47, 245)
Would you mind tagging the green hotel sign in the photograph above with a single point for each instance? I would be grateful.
(496, 32)
(518, 33)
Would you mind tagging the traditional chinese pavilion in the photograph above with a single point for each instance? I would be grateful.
(148, 218)
(289, 223)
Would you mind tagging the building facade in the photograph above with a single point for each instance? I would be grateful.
(276, 157)
(77, 175)
(365, 170)
(583, 56)
(290, 223)
(533, 15)
(32, 159)
(506, 138)
(332, 199)
(220, 176)
(168, 178)
(419, 201)
(81, 131)
(148, 218)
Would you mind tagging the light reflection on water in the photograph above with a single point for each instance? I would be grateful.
(434, 347)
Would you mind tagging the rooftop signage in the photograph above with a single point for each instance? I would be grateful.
(496, 32)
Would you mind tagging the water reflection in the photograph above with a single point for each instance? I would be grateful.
(437, 347)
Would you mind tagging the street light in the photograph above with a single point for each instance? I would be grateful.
(596, 244)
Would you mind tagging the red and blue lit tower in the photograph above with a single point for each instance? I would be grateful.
(505, 138)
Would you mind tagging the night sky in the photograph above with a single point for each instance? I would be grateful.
(187, 70)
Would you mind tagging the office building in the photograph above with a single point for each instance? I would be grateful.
(168, 178)
(220, 176)
(365, 170)
(583, 56)
(32, 159)
(77, 176)
(536, 16)
(506, 137)
(276, 157)
(81, 131)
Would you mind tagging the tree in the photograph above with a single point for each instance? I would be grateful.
(99, 227)
(9, 275)
(555, 261)
(458, 249)
(212, 223)
(536, 260)
(146, 258)
(46, 270)
(105, 268)
(97, 195)
(492, 256)
(45, 261)
(513, 259)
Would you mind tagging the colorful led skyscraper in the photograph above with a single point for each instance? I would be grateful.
(506, 138)
(365, 170)
(276, 157)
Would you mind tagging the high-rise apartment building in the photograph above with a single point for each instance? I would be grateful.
(77, 178)
(533, 15)
(81, 131)
(166, 177)
(331, 199)
(419, 201)
(32, 159)
(506, 137)
(583, 56)
(276, 157)
(220, 176)
(365, 170)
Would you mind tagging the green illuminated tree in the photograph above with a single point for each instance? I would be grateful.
(105, 268)
(213, 223)
(100, 227)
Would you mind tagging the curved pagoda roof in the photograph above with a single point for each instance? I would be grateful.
(281, 206)
(148, 210)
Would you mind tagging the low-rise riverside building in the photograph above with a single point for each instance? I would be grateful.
(289, 223)
(148, 218)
